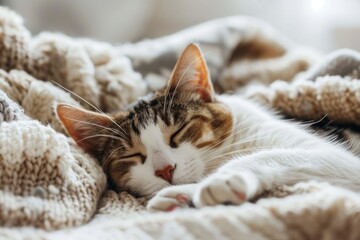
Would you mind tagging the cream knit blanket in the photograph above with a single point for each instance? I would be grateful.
(50, 189)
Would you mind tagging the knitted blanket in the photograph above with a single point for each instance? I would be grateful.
(51, 189)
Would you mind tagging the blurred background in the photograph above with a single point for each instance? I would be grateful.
(322, 24)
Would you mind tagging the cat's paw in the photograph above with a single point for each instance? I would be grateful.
(226, 189)
(172, 197)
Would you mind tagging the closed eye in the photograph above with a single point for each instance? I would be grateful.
(136, 155)
(172, 142)
(203, 119)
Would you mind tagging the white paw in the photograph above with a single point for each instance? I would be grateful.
(172, 197)
(224, 189)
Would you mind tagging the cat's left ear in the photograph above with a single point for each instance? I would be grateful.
(190, 76)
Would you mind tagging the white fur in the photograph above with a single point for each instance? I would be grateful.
(189, 167)
(270, 152)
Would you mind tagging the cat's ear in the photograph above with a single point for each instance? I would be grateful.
(191, 76)
(87, 128)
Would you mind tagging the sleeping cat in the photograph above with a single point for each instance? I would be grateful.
(186, 146)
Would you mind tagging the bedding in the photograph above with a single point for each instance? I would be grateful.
(51, 189)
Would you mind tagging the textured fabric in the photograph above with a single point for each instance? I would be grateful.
(50, 189)
(331, 88)
(44, 181)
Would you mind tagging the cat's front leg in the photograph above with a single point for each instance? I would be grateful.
(226, 188)
(244, 178)
(172, 197)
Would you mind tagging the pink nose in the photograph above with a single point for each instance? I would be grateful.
(166, 173)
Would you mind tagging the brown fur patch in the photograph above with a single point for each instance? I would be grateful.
(214, 119)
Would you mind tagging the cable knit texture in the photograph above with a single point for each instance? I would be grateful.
(51, 189)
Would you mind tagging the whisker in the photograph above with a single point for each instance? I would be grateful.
(238, 151)
(96, 108)
(100, 135)
(217, 117)
(228, 137)
(238, 143)
(105, 163)
(312, 122)
(208, 148)
(81, 98)
(97, 125)
(232, 135)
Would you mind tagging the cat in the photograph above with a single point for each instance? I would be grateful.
(186, 146)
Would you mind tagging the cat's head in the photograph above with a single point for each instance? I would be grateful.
(169, 139)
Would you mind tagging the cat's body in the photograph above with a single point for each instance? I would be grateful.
(264, 151)
(214, 149)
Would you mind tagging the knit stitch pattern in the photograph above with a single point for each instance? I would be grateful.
(51, 189)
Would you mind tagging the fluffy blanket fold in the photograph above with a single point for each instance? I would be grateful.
(51, 189)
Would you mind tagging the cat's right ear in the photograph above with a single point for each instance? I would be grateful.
(87, 128)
